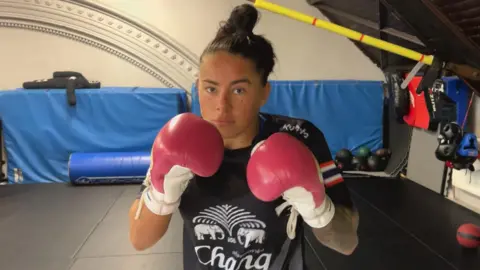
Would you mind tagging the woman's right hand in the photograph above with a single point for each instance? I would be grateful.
(186, 146)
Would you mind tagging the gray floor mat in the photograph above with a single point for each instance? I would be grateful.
(110, 238)
(171, 261)
(47, 223)
(20, 262)
(59, 227)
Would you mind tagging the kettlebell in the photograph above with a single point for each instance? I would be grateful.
(359, 163)
(363, 152)
(374, 163)
(343, 159)
(383, 152)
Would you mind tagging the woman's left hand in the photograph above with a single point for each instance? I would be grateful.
(284, 166)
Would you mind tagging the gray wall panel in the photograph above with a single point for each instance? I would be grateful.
(423, 167)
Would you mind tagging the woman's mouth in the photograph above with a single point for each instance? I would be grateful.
(222, 122)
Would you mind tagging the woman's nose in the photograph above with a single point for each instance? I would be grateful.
(223, 101)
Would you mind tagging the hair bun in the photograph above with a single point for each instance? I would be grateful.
(242, 20)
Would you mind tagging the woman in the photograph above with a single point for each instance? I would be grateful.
(218, 174)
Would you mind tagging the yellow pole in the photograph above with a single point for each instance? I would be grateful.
(335, 28)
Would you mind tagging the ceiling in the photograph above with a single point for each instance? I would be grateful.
(448, 29)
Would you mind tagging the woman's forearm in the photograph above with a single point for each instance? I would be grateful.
(148, 229)
(341, 233)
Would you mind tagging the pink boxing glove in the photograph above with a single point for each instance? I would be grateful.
(186, 146)
(284, 166)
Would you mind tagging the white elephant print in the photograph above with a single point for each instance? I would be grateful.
(250, 235)
(212, 230)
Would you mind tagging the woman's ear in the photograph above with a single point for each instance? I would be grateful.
(265, 93)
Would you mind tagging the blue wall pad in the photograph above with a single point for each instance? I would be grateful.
(108, 168)
(348, 112)
(41, 130)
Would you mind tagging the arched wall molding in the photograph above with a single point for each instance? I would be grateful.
(104, 28)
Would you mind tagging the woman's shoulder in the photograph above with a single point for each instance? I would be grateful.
(273, 123)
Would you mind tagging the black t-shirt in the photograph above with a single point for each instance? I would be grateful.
(226, 227)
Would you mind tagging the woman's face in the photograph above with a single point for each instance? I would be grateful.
(230, 93)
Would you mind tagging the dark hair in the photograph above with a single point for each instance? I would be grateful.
(236, 36)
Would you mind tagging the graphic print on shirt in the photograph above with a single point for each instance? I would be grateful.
(297, 129)
(238, 230)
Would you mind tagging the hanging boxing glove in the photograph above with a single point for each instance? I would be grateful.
(401, 97)
(445, 152)
(468, 147)
(452, 132)
(448, 138)
(466, 152)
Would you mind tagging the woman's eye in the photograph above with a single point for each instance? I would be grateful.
(210, 89)
(239, 91)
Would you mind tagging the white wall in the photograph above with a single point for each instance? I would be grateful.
(466, 186)
(475, 118)
(28, 55)
(304, 52)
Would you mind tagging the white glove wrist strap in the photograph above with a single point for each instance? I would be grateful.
(155, 202)
(315, 218)
(322, 215)
(175, 183)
